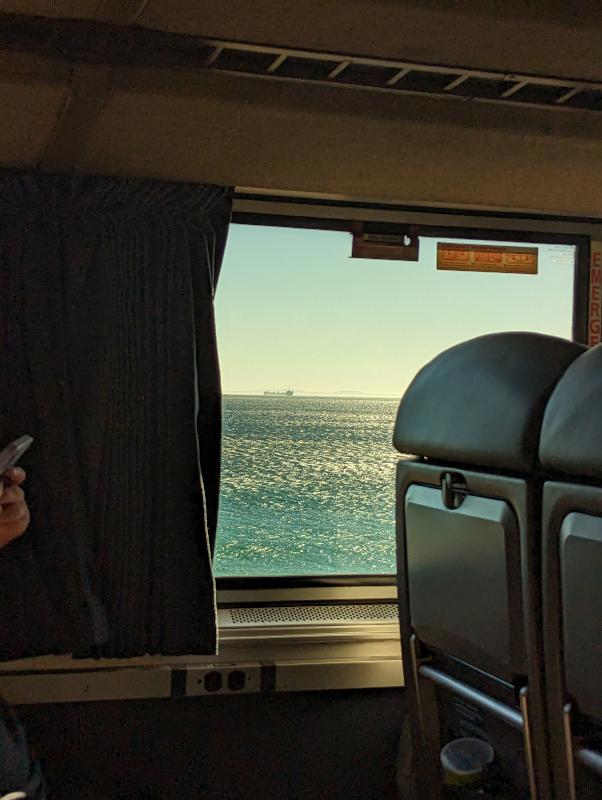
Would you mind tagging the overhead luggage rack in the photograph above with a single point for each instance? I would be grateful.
(132, 46)
(403, 77)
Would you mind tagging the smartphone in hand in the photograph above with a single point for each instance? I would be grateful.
(11, 454)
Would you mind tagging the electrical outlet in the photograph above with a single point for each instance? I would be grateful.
(223, 679)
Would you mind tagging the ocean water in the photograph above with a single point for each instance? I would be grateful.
(307, 486)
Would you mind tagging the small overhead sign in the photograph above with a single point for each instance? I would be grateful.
(398, 246)
(486, 258)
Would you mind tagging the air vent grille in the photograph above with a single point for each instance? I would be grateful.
(405, 77)
(81, 40)
(303, 614)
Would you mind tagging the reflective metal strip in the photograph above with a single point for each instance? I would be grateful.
(277, 62)
(303, 676)
(592, 759)
(338, 69)
(72, 686)
(527, 737)
(509, 715)
(220, 677)
(571, 93)
(568, 751)
(455, 83)
(349, 594)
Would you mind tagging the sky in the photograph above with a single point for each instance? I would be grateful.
(294, 310)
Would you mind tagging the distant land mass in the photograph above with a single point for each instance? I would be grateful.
(353, 393)
(310, 393)
(342, 393)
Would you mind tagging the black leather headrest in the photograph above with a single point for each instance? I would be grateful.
(571, 435)
(482, 401)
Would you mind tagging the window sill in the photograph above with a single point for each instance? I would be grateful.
(275, 656)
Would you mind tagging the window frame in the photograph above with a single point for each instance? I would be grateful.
(334, 215)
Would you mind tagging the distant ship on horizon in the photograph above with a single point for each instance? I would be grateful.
(285, 393)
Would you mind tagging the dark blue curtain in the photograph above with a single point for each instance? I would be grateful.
(108, 358)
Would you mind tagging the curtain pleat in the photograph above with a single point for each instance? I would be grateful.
(108, 324)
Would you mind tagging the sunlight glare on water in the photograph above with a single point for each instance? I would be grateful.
(307, 486)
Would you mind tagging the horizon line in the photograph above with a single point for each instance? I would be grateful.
(305, 393)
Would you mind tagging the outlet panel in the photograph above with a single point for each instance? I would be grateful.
(223, 679)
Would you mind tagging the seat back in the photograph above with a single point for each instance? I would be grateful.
(463, 565)
(571, 451)
(468, 533)
(473, 416)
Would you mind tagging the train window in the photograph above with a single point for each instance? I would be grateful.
(316, 350)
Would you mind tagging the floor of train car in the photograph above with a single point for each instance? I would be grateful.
(299, 745)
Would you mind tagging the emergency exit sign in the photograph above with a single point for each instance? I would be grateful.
(486, 258)
(594, 324)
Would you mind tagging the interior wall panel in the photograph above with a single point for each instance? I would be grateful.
(68, 9)
(348, 143)
(302, 746)
(29, 115)
(209, 126)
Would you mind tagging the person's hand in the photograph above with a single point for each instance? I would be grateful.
(14, 513)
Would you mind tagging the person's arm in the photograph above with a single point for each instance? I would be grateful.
(14, 513)
(20, 771)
